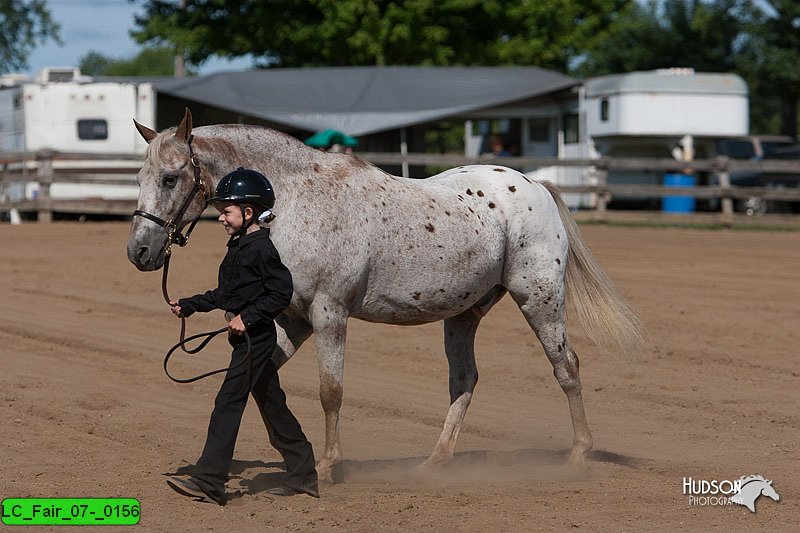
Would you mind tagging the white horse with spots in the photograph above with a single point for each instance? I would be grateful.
(364, 244)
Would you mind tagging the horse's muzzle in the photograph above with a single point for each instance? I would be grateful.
(146, 256)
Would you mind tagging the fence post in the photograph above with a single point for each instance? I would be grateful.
(724, 178)
(44, 175)
(600, 212)
(4, 185)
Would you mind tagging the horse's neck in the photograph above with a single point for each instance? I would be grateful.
(278, 155)
(284, 160)
(752, 489)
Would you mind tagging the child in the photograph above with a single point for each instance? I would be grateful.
(254, 287)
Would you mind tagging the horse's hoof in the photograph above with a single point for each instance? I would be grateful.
(577, 459)
(324, 473)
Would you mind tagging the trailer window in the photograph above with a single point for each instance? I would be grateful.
(604, 110)
(92, 130)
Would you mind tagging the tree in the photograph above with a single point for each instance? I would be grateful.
(24, 24)
(769, 62)
(288, 33)
(670, 33)
(157, 61)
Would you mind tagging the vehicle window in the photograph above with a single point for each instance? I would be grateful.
(779, 150)
(92, 129)
(736, 149)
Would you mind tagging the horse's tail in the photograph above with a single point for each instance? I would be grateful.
(602, 311)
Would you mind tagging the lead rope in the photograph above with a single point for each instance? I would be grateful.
(209, 335)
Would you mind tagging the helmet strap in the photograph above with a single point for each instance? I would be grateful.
(245, 223)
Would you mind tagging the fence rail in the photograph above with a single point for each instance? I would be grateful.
(48, 167)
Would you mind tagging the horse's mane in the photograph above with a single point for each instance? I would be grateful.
(744, 480)
(284, 149)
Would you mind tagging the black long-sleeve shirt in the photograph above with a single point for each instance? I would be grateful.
(252, 282)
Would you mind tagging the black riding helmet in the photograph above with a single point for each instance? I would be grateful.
(245, 186)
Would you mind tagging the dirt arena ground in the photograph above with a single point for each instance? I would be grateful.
(87, 411)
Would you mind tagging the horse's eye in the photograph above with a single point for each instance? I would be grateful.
(169, 181)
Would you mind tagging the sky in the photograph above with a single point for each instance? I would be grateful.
(102, 26)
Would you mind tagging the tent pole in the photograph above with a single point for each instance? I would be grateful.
(404, 151)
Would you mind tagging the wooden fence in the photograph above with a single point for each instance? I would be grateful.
(48, 167)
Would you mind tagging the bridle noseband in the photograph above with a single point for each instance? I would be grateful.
(173, 225)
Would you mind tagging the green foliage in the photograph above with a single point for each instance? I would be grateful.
(157, 61)
(670, 33)
(24, 23)
(758, 39)
(292, 33)
(769, 63)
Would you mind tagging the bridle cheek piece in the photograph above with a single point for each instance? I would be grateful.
(171, 226)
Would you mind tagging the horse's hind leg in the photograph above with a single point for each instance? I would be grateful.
(545, 312)
(459, 345)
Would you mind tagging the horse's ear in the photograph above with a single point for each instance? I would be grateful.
(185, 127)
(146, 133)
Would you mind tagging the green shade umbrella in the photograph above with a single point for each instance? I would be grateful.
(327, 138)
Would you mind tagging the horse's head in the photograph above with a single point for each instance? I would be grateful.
(768, 491)
(169, 197)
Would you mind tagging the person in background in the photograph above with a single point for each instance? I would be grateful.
(498, 147)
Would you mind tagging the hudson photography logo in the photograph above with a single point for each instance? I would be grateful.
(743, 491)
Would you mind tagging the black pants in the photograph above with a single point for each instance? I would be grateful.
(283, 428)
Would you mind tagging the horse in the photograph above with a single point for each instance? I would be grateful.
(751, 487)
(362, 243)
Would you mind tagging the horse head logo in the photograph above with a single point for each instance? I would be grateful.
(751, 487)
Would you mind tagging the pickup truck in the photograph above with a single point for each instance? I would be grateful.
(758, 147)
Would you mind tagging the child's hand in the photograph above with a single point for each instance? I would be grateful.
(236, 325)
(175, 308)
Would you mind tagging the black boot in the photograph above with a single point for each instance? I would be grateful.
(193, 489)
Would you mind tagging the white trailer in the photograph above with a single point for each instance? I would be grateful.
(66, 112)
(665, 113)
(667, 103)
(677, 113)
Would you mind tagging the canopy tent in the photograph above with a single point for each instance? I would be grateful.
(363, 100)
(327, 138)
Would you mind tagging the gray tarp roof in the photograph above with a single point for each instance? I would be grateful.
(362, 100)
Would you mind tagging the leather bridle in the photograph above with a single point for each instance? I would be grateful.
(173, 225)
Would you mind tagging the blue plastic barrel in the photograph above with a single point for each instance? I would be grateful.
(678, 204)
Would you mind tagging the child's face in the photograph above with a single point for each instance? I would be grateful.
(231, 217)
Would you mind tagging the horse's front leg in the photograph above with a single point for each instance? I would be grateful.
(329, 320)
